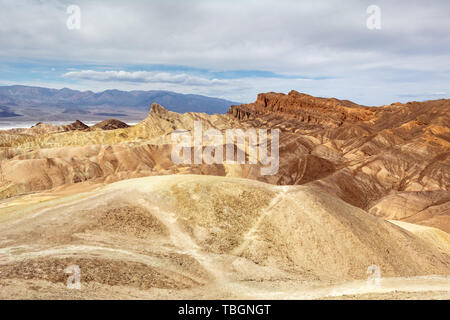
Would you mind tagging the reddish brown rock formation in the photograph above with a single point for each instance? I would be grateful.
(305, 108)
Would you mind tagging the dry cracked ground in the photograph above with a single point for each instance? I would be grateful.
(356, 187)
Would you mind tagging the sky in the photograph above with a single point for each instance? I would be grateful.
(232, 49)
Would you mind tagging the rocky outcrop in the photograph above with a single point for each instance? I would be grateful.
(49, 128)
(110, 124)
(304, 108)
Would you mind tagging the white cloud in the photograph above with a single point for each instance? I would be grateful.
(145, 77)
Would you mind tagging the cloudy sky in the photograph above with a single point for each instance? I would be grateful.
(232, 49)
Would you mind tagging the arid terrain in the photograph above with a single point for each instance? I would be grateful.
(357, 187)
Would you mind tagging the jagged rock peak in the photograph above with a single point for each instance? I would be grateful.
(158, 109)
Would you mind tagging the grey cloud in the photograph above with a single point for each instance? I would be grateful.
(309, 36)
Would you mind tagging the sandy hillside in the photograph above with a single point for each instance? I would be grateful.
(192, 236)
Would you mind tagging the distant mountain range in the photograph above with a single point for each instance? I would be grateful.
(40, 104)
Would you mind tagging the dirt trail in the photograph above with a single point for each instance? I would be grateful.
(183, 242)
(361, 287)
(251, 234)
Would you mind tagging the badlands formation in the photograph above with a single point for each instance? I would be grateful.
(356, 187)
